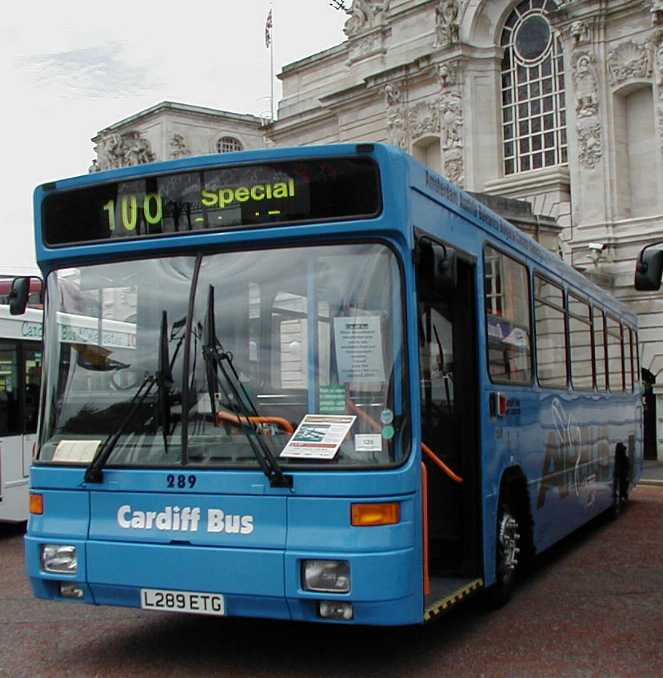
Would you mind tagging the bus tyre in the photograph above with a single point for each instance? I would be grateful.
(620, 484)
(507, 555)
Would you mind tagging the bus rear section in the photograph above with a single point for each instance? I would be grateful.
(227, 434)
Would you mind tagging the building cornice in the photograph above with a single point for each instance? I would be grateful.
(554, 178)
(174, 107)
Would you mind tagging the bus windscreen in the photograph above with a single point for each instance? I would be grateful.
(218, 198)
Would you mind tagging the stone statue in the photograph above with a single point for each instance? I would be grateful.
(579, 32)
(122, 150)
(178, 147)
(447, 28)
(392, 95)
(587, 102)
(451, 107)
(366, 14)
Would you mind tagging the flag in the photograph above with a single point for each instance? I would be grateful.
(268, 29)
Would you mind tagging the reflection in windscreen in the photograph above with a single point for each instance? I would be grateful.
(297, 332)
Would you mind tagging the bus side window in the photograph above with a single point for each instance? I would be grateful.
(599, 349)
(506, 286)
(32, 376)
(580, 343)
(549, 312)
(9, 407)
(615, 363)
(628, 361)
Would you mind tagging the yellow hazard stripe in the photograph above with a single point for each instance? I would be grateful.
(440, 606)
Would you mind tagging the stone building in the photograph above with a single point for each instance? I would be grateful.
(558, 103)
(170, 130)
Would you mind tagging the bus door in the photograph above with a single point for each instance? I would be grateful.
(448, 356)
(31, 366)
(11, 461)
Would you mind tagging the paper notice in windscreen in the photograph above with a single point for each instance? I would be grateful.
(359, 350)
(318, 437)
(76, 450)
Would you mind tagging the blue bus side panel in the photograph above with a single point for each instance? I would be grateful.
(569, 448)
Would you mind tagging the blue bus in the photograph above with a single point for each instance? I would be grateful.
(345, 391)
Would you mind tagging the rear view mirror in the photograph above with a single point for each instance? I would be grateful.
(648, 270)
(437, 266)
(18, 295)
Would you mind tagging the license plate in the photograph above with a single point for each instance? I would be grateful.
(182, 601)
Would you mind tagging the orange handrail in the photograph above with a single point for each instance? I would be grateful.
(440, 464)
(240, 421)
(425, 449)
(424, 504)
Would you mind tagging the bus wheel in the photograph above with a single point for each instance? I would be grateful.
(507, 550)
(620, 482)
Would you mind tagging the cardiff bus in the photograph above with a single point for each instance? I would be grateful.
(356, 395)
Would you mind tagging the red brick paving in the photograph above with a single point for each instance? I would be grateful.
(592, 607)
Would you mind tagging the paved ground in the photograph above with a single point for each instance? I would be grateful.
(652, 474)
(592, 607)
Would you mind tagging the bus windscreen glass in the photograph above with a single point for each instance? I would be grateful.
(214, 199)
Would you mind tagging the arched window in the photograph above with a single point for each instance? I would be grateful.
(228, 144)
(533, 102)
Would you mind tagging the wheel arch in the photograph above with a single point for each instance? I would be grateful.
(513, 484)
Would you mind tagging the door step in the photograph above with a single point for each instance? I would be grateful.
(446, 592)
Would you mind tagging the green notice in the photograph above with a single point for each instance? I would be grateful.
(332, 399)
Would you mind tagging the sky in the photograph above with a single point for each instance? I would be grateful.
(71, 68)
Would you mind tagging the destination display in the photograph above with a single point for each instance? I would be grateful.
(214, 199)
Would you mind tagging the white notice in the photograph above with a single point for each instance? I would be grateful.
(76, 450)
(318, 436)
(359, 350)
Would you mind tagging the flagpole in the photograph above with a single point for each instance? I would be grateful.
(269, 42)
(271, 71)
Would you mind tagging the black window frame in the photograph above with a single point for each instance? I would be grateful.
(560, 287)
(579, 299)
(614, 318)
(532, 349)
(21, 346)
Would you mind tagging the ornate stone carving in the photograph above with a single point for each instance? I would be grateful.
(588, 125)
(590, 144)
(452, 121)
(397, 132)
(424, 118)
(580, 33)
(629, 61)
(658, 61)
(656, 11)
(586, 85)
(365, 46)
(447, 23)
(364, 15)
(122, 150)
(178, 147)
(658, 64)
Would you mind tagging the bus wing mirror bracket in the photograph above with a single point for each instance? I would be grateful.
(437, 264)
(648, 270)
(18, 295)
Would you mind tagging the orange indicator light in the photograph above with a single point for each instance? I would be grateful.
(369, 515)
(37, 504)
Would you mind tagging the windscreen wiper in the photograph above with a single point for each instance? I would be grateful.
(219, 361)
(163, 379)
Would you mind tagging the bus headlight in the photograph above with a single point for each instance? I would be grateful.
(329, 576)
(59, 558)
